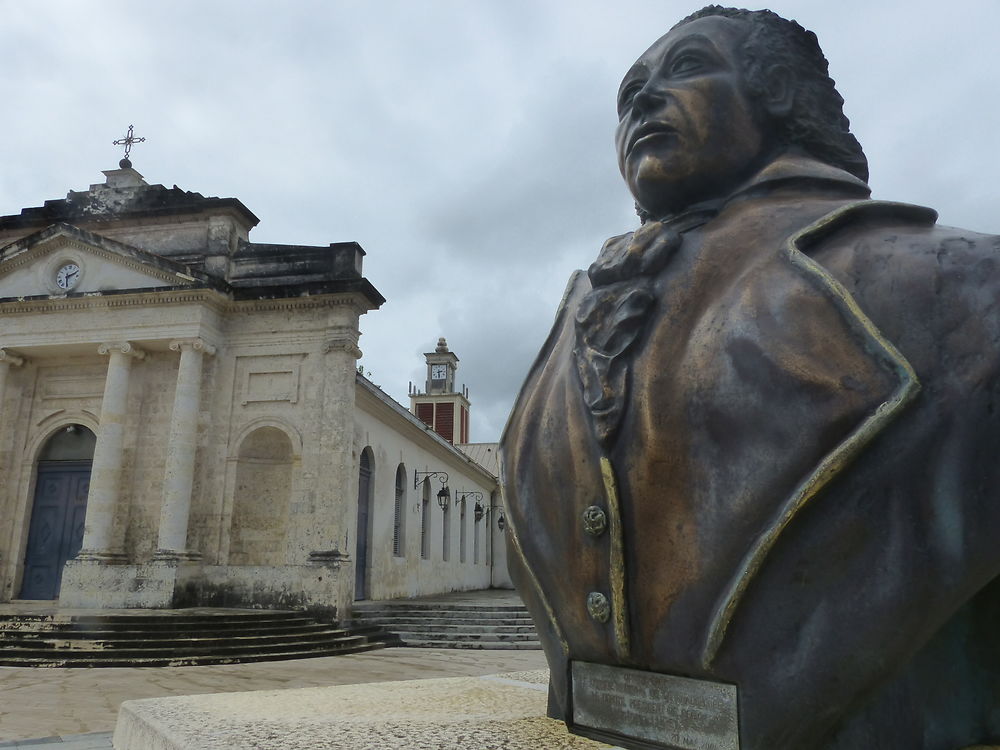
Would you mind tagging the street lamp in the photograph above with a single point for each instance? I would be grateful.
(444, 494)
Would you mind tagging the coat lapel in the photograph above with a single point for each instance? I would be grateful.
(901, 379)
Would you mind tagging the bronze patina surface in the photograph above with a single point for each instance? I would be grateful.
(759, 447)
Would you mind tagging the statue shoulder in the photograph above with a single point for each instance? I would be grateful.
(899, 240)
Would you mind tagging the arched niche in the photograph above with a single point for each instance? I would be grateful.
(264, 464)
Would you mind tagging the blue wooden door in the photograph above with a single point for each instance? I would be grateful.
(56, 531)
(364, 509)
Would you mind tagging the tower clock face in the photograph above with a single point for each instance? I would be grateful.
(439, 372)
(67, 276)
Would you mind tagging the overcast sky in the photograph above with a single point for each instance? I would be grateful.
(467, 146)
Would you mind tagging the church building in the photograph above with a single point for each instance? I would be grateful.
(184, 423)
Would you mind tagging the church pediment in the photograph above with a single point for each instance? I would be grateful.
(63, 259)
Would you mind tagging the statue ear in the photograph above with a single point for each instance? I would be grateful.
(779, 94)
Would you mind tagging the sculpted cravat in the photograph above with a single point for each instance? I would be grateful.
(613, 315)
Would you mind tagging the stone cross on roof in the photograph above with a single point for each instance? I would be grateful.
(128, 141)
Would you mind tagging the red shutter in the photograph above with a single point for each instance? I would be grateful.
(445, 421)
(425, 413)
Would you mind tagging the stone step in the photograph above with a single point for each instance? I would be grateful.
(392, 622)
(133, 635)
(441, 614)
(182, 648)
(408, 635)
(153, 642)
(114, 660)
(125, 622)
(392, 604)
(172, 638)
(473, 627)
(437, 624)
(499, 645)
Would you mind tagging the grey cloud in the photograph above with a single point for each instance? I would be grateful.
(467, 146)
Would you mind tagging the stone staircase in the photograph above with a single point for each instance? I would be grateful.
(455, 621)
(170, 638)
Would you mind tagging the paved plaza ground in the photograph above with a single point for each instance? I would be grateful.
(75, 709)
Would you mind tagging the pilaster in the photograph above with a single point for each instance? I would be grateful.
(337, 482)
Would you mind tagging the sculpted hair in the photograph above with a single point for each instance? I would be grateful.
(817, 122)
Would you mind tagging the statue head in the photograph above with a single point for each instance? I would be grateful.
(716, 98)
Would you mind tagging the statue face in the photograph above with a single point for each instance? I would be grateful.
(687, 130)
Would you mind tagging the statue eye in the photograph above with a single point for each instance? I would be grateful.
(686, 63)
(627, 95)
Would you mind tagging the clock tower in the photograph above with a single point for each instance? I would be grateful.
(439, 405)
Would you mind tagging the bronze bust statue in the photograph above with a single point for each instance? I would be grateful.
(753, 477)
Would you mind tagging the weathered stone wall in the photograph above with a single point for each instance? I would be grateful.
(278, 370)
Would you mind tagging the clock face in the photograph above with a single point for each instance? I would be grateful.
(67, 276)
(439, 372)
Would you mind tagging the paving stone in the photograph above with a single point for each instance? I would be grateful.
(468, 713)
(46, 703)
(95, 741)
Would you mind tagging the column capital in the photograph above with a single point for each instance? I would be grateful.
(343, 339)
(124, 347)
(195, 344)
(10, 358)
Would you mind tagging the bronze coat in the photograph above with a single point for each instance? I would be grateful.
(802, 497)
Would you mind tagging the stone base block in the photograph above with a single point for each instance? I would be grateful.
(101, 585)
(173, 583)
(498, 712)
(306, 587)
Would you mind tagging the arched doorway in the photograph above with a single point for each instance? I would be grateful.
(361, 563)
(59, 510)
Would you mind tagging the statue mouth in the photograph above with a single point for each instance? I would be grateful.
(648, 132)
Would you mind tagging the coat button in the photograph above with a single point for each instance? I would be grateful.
(598, 606)
(595, 521)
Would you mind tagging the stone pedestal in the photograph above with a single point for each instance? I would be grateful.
(497, 712)
(94, 584)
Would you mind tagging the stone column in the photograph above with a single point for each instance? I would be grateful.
(106, 471)
(178, 478)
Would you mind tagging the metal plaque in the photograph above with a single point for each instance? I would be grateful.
(659, 710)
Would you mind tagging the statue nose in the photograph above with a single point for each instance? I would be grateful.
(648, 98)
